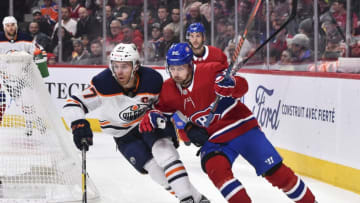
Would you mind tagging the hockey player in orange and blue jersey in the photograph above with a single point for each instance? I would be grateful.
(233, 131)
(125, 92)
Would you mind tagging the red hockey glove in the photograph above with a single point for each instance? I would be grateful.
(152, 119)
(224, 87)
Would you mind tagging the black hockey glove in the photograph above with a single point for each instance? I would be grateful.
(197, 135)
(83, 136)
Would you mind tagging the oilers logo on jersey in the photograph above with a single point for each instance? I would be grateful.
(133, 112)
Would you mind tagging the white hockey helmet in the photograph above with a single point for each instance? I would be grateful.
(125, 52)
(9, 19)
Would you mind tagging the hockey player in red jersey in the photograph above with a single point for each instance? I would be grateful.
(195, 34)
(124, 92)
(233, 131)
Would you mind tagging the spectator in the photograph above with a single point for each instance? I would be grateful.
(196, 17)
(307, 27)
(175, 21)
(116, 35)
(220, 37)
(95, 53)
(286, 57)
(163, 16)
(85, 41)
(131, 36)
(66, 42)
(300, 49)
(74, 9)
(44, 24)
(337, 15)
(122, 12)
(39, 37)
(285, 62)
(97, 9)
(51, 58)
(79, 55)
(140, 21)
(50, 11)
(153, 46)
(280, 15)
(169, 39)
(87, 25)
(67, 22)
(334, 47)
(244, 10)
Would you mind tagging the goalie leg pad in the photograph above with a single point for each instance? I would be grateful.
(135, 150)
(219, 171)
(292, 185)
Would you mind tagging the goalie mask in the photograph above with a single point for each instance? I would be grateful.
(125, 53)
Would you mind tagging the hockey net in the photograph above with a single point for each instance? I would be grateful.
(38, 160)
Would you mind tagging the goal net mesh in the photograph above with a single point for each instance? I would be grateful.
(38, 160)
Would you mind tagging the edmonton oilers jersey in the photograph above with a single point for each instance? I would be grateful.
(120, 110)
(22, 42)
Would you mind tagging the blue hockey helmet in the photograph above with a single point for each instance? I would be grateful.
(195, 27)
(179, 54)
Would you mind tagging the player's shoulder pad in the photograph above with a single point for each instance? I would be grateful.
(105, 83)
(24, 37)
(150, 80)
(2, 37)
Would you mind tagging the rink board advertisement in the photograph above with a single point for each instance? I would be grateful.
(313, 121)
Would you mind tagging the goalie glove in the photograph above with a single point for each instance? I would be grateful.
(223, 86)
(83, 136)
(152, 119)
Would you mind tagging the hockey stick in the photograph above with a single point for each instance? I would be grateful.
(230, 71)
(249, 23)
(83, 172)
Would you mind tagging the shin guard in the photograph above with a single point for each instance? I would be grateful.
(292, 185)
(219, 171)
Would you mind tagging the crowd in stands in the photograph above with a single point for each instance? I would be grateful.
(82, 39)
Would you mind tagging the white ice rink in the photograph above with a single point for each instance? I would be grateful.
(118, 182)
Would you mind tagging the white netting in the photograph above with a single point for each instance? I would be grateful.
(38, 161)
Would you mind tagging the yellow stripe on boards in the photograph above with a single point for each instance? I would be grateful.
(335, 174)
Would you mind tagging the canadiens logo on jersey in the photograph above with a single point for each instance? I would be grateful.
(133, 112)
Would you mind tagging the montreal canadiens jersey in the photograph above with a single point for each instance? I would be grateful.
(120, 111)
(211, 54)
(231, 119)
(22, 42)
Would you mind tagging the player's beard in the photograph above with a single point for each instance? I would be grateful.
(11, 33)
(197, 46)
(184, 82)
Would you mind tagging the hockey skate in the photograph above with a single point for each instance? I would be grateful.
(191, 200)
